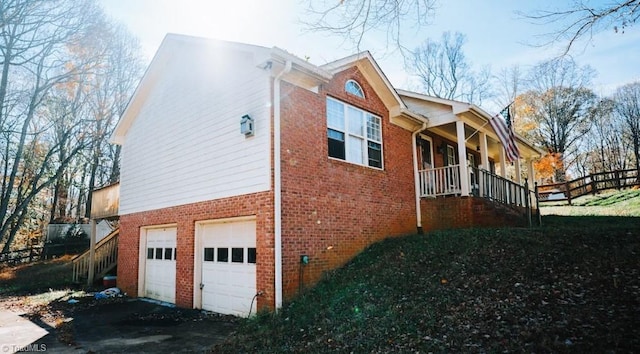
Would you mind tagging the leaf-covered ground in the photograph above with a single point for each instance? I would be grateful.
(571, 286)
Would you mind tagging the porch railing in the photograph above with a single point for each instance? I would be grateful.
(443, 181)
(491, 186)
(440, 181)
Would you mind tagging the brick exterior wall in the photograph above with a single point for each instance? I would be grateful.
(333, 209)
(185, 217)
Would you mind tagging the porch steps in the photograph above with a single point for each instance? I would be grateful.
(507, 215)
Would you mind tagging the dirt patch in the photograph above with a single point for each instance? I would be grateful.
(119, 325)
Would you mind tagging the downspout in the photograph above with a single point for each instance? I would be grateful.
(416, 176)
(277, 177)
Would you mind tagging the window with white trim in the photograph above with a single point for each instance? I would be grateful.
(353, 135)
(451, 155)
(354, 88)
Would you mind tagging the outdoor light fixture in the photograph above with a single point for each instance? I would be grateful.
(247, 126)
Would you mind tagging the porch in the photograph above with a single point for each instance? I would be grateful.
(486, 199)
(447, 181)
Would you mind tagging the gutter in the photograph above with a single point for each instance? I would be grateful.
(416, 176)
(277, 176)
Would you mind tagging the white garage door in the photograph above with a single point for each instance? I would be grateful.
(228, 267)
(160, 265)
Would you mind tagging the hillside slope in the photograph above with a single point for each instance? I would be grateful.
(572, 285)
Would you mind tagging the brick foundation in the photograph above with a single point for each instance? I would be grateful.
(465, 212)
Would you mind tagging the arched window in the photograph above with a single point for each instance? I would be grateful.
(354, 88)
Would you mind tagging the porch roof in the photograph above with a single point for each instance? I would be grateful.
(443, 113)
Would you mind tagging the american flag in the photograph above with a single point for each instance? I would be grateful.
(503, 126)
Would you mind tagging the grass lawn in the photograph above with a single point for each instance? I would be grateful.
(613, 203)
(36, 277)
(572, 285)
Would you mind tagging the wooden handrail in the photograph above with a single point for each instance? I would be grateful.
(106, 256)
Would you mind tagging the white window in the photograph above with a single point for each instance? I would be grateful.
(451, 155)
(471, 160)
(353, 134)
(354, 88)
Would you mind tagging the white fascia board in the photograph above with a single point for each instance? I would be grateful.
(301, 65)
(346, 62)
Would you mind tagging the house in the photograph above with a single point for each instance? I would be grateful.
(248, 172)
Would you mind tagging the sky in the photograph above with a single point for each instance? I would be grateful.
(497, 34)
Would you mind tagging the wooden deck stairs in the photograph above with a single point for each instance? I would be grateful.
(106, 258)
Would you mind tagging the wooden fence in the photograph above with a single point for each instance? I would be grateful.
(25, 255)
(591, 184)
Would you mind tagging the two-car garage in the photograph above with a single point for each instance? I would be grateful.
(224, 265)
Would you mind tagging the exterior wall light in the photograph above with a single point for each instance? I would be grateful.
(247, 126)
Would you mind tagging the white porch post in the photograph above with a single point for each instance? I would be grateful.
(484, 156)
(462, 158)
(531, 174)
(518, 178)
(503, 164)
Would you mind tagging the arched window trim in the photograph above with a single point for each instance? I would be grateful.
(354, 88)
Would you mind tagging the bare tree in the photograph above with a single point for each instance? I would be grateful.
(443, 70)
(34, 42)
(353, 19)
(114, 84)
(509, 83)
(586, 18)
(562, 106)
(607, 148)
(628, 107)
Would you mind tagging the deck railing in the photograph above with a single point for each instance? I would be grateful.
(440, 181)
(106, 256)
(105, 202)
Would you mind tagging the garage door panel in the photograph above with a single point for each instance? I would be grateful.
(160, 264)
(228, 267)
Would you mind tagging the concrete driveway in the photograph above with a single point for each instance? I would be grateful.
(125, 326)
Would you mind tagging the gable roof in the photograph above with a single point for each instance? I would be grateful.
(399, 113)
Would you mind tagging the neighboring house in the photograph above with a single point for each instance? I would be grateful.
(230, 220)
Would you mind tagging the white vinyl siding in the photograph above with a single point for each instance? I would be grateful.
(185, 146)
